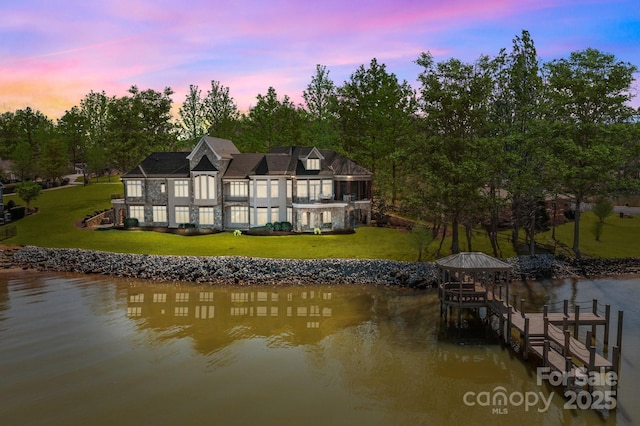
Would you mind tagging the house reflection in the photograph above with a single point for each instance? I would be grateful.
(214, 318)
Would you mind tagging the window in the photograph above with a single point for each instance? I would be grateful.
(163, 188)
(315, 188)
(261, 216)
(261, 188)
(274, 189)
(134, 188)
(313, 164)
(304, 220)
(238, 189)
(239, 214)
(289, 189)
(302, 189)
(181, 188)
(275, 214)
(206, 216)
(327, 188)
(182, 214)
(137, 212)
(325, 217)
(159, 214)
(205, 187)
(289, 214)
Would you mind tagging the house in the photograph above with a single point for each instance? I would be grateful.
(215, 186)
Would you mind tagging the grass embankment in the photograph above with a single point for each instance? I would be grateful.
(59, 210)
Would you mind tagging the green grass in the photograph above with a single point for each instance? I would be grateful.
(59, 210)
(619, 237)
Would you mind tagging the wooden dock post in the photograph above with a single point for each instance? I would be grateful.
(507, 335)
(522, 307)
(619, 340)
(545, 353)
(546, 327)
(565, 307)
(594, 309)
(607, 317)
(615, 362)
(616, 367)
(588, 341)
(592, 362)
(568, 365)
(576, 323)
(525, 346)
(567, 340)
(515, 302)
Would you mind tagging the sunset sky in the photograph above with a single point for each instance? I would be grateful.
(53, 52)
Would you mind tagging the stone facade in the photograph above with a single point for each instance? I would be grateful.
(215, 186)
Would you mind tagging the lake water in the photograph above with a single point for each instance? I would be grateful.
(78, 350)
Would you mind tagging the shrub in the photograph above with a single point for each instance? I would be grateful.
(259, 230)
(286, 226)
(269, 225)
(130, 222)
(277, 226)
(17, 212)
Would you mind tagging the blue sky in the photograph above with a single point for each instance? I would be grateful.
(52, 53)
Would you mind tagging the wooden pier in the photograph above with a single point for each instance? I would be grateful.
(474, 280)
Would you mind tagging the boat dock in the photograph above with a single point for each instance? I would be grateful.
(475, 280)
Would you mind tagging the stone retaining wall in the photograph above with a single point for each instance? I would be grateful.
(237, 270)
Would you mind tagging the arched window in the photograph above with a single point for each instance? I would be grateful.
(205, 187)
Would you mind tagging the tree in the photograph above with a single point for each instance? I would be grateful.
(9, 134)
(457, 154)
(94, 109)
(221, 112)
(421, 236)
(71, 130)
(602, 208)
(526, 170)
(23, 163)
(28, 191)
(138, 125)
(54, 161)
(272, 123)
(587, 94)
(377, 117)
(320, 102)
(192, 116)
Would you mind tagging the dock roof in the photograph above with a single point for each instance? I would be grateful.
(472, 262)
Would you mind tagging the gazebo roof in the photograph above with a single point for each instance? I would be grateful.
(473, 262)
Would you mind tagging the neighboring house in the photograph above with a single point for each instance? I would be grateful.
(215, 186)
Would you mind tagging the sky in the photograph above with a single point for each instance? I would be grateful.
(54, 52)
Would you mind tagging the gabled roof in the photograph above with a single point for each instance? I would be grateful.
(205, 165)
(243, 166)
(473, 262)
(161, 164)
(273, 164)
(331, 163)
(223, 148)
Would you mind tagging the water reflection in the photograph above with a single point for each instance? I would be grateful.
(87, 349)
(215, 319)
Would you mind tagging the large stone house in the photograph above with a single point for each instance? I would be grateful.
(215, 186)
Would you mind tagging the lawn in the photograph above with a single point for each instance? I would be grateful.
(60, 209)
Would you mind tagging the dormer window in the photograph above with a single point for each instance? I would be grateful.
(313, 164)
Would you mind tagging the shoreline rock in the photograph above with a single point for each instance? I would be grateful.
(239, 270)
